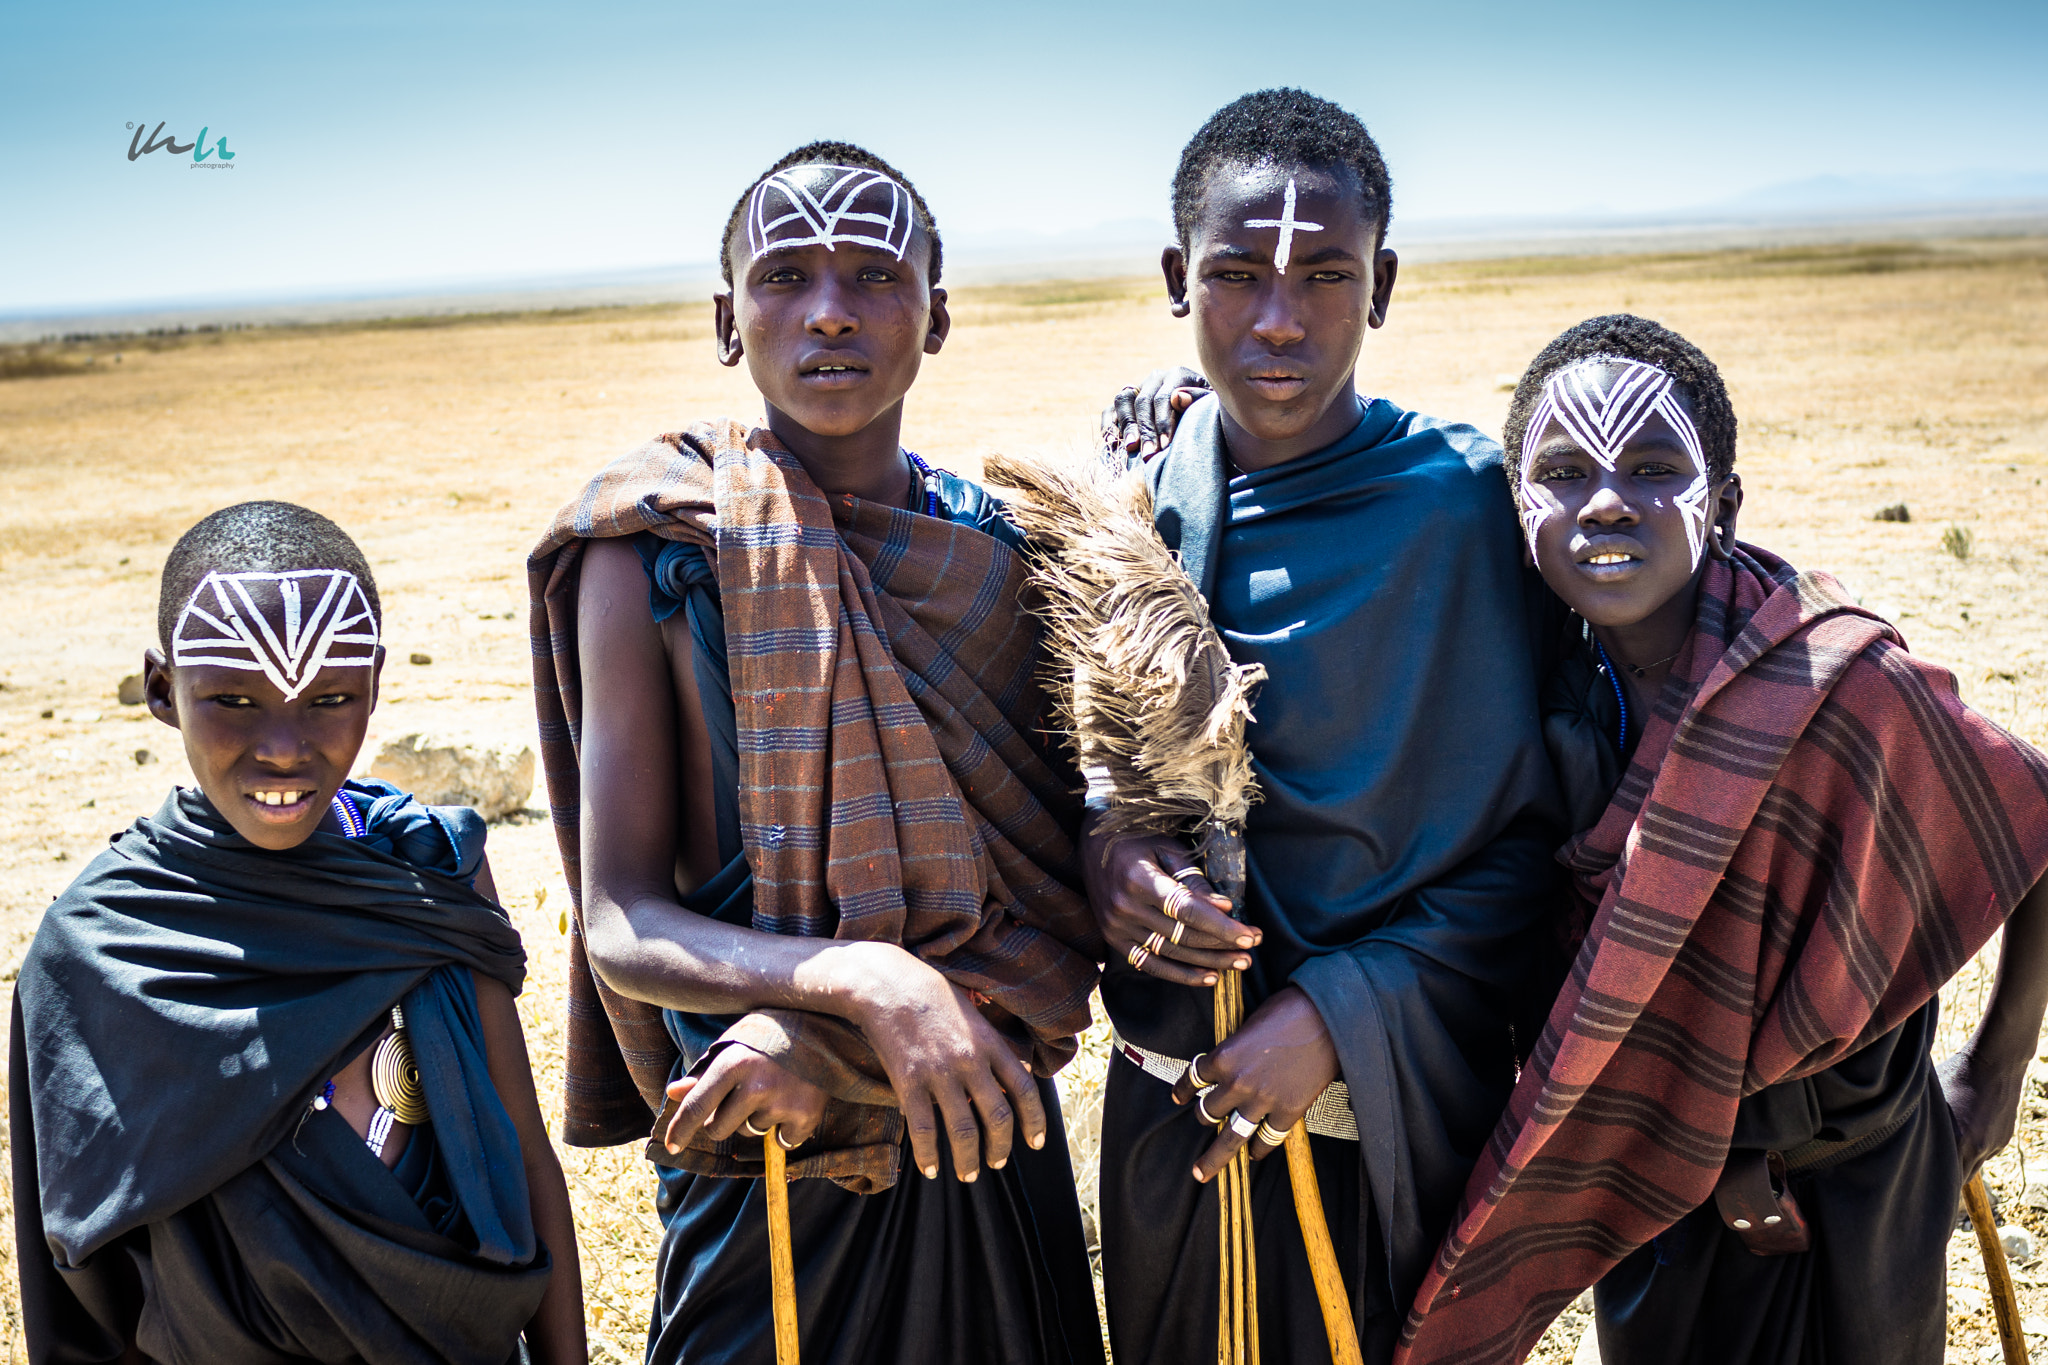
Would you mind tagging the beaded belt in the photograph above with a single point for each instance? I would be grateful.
(1329, 1116)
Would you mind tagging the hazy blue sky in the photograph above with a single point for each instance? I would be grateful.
(388, 144)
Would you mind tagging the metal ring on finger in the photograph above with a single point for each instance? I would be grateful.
(1271, 1136)
(1156, 944)
(1137, 956)
(1187, 872)
(1202, 1108)
(1195, 1072)
(748, 1124)
(784, 1142)
(1179, 927)
(1241, 1125)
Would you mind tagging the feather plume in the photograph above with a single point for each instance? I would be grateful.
(1139, 676)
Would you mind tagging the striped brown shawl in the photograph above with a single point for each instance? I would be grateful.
(1814, 835)
(882, 676)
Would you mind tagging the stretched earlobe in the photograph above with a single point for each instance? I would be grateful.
(1721, 541)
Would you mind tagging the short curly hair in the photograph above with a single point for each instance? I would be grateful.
(257, 537)
(1287, 126)
(832, 154)
(1624, 336)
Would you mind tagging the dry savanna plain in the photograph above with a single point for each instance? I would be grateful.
(1865, 376)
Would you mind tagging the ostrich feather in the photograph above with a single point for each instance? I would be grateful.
(1139, 675)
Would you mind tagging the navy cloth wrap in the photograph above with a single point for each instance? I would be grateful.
(183, 1002)
(1400, 860)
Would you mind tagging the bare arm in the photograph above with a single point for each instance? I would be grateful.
(555, 1335)
(1983, 1080)
(937, 1049)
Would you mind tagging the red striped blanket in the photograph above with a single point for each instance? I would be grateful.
(882, 673)
(1815, 834)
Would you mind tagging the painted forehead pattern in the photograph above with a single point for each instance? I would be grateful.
(286, 626)
(1288, 225)
(827, 206)
(1601, 402)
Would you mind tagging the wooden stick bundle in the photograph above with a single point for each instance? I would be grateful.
(1142, 681)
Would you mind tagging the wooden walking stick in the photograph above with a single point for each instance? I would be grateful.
(1142, 681)
(781, 1259)
(2005, 1304)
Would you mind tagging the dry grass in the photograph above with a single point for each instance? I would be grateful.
(1865, 376)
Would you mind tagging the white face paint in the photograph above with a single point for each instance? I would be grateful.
(827, 206)
(1601, 423)
(286, 626)
(1288, 225)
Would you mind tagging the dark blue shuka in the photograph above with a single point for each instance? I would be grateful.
(1399, 859)
(183, 1002)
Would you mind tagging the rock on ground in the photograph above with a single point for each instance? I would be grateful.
(450, 769)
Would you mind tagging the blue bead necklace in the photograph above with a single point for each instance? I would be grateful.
(931, 496)
(1620, 698)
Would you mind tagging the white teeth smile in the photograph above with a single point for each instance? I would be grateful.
(833, 369)
(1609, 559)
(280, 798)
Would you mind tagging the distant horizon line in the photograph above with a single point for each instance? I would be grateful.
(995, 260)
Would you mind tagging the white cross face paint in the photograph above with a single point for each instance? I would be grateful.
(1288, 225)
(828, 206)
(286, 626)
(1602, 422)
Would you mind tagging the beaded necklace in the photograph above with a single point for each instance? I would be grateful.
(1620, 698)
(926, 477)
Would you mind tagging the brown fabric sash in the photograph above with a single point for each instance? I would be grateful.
(1814, 835)
(882, 671)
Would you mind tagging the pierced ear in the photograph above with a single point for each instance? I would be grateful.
(1173, 263)
(725, 330)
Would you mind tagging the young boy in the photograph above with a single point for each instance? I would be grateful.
(270, 1099)
(1400, 856)
(826, 879)
(1732, 1115)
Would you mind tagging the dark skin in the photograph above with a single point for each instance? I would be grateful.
(1282, 350)
(271, 766)
(833, 340)
(1642, 608)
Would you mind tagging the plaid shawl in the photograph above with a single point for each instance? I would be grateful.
(1813, 836)
(882, 675)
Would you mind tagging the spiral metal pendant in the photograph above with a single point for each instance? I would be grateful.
(395, 1077)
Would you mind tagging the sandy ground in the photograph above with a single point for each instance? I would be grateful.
(1864, 376)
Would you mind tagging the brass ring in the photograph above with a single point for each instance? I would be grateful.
(1195, 1075)
(1137, 955)
(1271, 1136)
(748, 1124)
(1179, 927)
(784, 1143)
(1186, 872)
(1155, 944)
(1202, 1108)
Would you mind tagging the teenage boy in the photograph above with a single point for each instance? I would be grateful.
(268, 1091)
(1400, 854)
(1732, 1122)
(827, 881)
